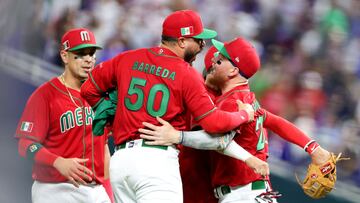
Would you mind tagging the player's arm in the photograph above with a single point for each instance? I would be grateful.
(222, 121)
(223, 143)
(167, 135)
(101, 79)
(33, 129)
(291, 133)
(71, 168)
(203, 110)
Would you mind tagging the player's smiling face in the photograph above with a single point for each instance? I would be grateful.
(218, 74)
(80, 62)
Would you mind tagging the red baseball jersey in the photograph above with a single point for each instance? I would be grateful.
(251, 136)
(151, 82)
(52, 119)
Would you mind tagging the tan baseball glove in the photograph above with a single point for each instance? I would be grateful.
(320, 180)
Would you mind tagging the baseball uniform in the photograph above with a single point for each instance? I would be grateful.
(233, 180)
(55, 128)
(155, 82)
(52, 120)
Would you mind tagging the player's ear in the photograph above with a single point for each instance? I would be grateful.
(233, 71)
(64, 56)
(181, 42)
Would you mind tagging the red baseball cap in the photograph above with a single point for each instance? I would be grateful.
(186, 23)
(241, 53)
(208, 57)
(78, 38)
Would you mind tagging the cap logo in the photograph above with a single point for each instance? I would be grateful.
(187, 31)
(85, 36)
(66, 45)
(237, 59)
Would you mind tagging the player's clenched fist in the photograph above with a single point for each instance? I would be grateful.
(259, 166)
(247, 107)
(73, 170)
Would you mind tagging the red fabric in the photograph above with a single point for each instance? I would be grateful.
(173, 24)
(230, 171)
(195, 175)
(208, 57)
(62, 128)
(107, 185)
(76, 37)
(244, 55)
(156, 66)
(286, 130)
(43, 156)
(222, 122)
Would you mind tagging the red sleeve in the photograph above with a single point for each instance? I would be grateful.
(101, 78)
(221, 121)
(33, 128)
(286, 130)
(203, 109)
(33, 150)
(34, 122)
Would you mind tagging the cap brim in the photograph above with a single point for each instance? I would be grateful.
(83, 46)
(206, 34)
(221, 48)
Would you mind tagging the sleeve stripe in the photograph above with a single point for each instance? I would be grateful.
(96, 85)
(205, 114)
(32, 138)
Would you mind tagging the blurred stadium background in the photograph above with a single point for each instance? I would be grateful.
(310, 74)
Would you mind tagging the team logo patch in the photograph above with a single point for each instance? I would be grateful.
(326, 169)
(26, 126)
(33, 148)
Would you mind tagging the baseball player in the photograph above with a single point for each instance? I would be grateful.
(151, 82)
(70, 164)
(233, 180)
(194, 160)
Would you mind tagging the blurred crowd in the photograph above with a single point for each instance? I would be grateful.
(310, 52)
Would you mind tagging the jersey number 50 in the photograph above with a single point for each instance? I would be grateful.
(136, 88)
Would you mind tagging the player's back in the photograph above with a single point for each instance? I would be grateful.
(152, 82)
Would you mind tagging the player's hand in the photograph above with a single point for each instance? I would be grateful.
(259, 166)
(320, 156)
(247, 107)
(73, 170)
(160, 135)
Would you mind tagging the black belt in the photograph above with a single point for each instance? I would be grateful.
(138, 143)
(225, 189)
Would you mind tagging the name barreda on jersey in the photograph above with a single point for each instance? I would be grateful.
(154, 70)
(69, 119)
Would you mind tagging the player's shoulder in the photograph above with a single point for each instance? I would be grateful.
(46, 87)
(42, 93)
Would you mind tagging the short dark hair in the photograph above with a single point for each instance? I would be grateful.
(165, 39)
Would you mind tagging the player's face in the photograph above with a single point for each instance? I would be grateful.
(194, 47)
(80, 62)
(218, 74)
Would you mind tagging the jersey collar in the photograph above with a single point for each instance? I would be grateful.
(162, 51)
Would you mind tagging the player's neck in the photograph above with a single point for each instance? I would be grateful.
(231, 84)
(70, 82)
(176, 50)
